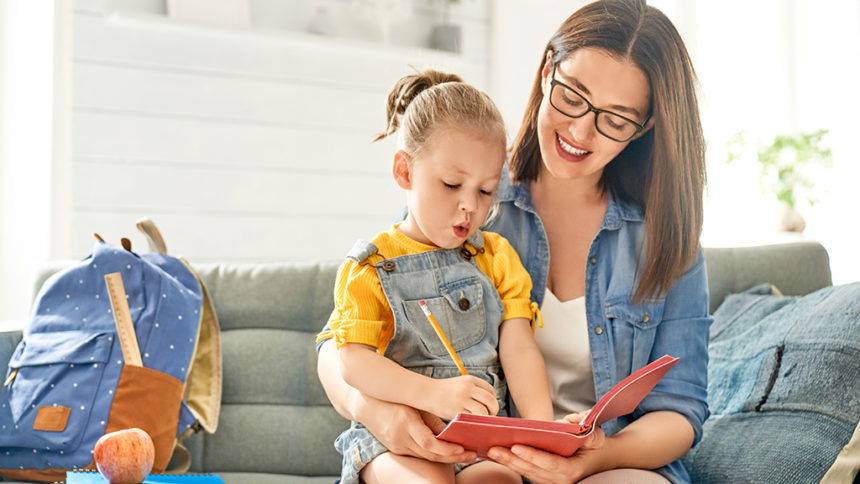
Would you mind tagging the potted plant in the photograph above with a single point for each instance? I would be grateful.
(787, 165)
(447, 36)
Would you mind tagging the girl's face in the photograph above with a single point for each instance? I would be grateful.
(572, 148)
(450, 186)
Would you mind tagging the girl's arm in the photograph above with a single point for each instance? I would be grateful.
(400, 428)
(524, 369)
(379, 377)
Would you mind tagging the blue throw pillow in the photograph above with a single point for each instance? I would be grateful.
(783, 386)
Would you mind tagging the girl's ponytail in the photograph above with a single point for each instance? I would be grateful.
(405, 91)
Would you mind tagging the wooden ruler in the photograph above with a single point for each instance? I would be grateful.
(122, 317)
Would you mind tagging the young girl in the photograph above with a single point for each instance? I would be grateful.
(451, 148)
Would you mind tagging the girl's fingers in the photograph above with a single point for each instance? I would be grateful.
(477, 408)
(488, 400)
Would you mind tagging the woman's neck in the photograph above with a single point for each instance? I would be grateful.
(556, 193)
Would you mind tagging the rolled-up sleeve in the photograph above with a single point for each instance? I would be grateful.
(359, 315)
(512, 281)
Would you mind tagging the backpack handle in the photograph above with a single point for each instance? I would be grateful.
(153, 236)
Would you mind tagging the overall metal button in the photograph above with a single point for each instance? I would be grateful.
(646, 318)
(464, 252)
(465, 304)
(598, 330)
(388, 265)
(593, 260)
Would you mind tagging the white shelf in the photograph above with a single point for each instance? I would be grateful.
(156, 23)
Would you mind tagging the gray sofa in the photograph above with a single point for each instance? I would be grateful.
(277, 425)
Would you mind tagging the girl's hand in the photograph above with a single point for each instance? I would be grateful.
(405, 431)
(543, 467)
(462, 394)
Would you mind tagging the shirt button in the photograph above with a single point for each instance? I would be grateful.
(464, 304)
(598, 330)
(593, 260)
(646, 318)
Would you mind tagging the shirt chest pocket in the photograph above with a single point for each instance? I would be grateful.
(459, 311)
(642, 316)
(634, 326)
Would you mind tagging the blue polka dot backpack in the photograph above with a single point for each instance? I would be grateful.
(118, 340)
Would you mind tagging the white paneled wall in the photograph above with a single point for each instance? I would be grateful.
(242, 144)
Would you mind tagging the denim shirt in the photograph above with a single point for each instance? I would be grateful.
(623, 335)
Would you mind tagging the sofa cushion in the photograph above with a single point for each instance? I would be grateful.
(275, 417)
(783, 386)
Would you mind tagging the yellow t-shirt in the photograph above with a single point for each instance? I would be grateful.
(362, 314)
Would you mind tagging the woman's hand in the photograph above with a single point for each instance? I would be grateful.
(545, 468)
(575, 418)
(406, 431)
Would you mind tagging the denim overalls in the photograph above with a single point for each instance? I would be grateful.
(467, 307)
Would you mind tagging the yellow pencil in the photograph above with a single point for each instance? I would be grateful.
(443, 338)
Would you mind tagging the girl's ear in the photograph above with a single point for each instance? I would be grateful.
(546, 71)
(401, 169)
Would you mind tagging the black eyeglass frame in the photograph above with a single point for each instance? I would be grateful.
(554, 82)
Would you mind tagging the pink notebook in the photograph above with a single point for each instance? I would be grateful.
(480, 432)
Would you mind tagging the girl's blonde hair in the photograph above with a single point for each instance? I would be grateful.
(421, 103)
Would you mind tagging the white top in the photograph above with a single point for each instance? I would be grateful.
(563, 341)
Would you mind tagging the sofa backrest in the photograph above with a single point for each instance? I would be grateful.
(275, 416)
(795, 269)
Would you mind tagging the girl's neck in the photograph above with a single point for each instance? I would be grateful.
(560, 194)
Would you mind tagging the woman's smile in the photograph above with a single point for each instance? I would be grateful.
(569, 151)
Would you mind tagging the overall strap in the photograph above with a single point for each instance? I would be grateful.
(361, 250)
(476, 240)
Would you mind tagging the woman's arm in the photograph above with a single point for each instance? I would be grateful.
(652, 441)
(671, 415)
(377, 376)
(400, 428)
(524, 369)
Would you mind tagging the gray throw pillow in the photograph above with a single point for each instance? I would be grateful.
(783, 386)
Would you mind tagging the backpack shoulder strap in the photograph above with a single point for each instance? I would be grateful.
(203, 383)
(153, 235)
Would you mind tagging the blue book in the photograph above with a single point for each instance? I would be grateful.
(92, 477)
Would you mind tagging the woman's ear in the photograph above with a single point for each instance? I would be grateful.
(402, 169)
(648, 126)
(546, 71)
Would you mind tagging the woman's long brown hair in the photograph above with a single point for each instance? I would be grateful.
(663, 171)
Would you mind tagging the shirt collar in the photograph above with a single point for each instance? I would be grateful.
(519, 194)
(617, 210)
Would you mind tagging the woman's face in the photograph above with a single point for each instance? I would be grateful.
(572, 148)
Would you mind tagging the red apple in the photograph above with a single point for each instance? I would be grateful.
(125, 456)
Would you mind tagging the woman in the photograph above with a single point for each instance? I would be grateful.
(604, 206)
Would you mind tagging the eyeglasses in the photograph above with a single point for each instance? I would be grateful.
(571, 103)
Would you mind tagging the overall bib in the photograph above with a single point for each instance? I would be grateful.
(467, 307)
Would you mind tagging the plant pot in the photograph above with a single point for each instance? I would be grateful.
(791, 220)
(447, 37)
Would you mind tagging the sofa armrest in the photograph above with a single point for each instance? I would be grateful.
(8, 342)
(795, 269)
